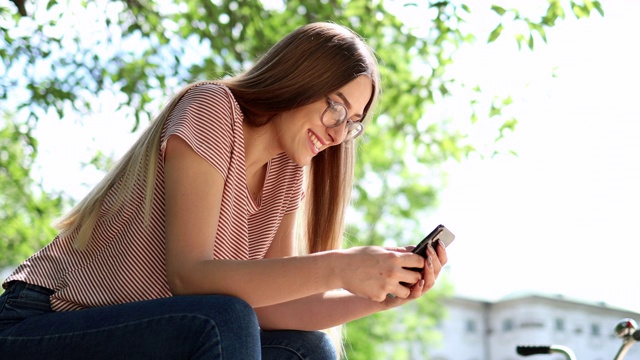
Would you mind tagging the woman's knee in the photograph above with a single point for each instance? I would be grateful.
(215, 306)
(298, 345)
(228, 312)
(322, 344)
(233, 329)
(239, 313)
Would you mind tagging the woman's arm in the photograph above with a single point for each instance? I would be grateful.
(325, 310)
(193, 193)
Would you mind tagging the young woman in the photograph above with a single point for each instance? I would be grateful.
(187, 249)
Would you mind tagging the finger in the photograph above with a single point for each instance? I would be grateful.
(403, 290)
(436, 260)
(442, 253)
(429, 273)
(411, 260)
(417, 290)
(432, 255)
(409, 278)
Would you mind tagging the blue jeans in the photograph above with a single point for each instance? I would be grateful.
(178, 327)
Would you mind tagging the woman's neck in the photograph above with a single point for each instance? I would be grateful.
(260, 146)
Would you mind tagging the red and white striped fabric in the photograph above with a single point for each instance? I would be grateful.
(125, 260)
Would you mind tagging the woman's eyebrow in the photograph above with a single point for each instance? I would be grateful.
(347, 103)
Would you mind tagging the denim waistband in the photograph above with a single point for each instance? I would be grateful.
(17, 286)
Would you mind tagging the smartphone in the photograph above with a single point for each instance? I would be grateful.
(439, 233)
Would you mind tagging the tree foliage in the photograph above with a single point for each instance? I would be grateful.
(61, 57)
(26, 210)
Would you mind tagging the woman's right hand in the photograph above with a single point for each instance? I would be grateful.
(373, 272)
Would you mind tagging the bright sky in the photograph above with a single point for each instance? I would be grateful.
(562, 218)
(559, 218)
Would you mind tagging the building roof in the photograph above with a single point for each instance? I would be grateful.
(532, 295)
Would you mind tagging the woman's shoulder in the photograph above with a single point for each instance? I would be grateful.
(211, 86)
(213, 94)
(205, 109)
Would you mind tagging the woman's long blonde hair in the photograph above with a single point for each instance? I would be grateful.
(306, 65)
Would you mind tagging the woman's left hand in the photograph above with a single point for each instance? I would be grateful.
(432, 266)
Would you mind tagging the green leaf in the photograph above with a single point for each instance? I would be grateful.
(499, 10)
(495, 33)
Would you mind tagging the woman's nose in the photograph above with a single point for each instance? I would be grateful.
(338, 133)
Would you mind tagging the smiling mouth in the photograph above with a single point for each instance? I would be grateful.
(314, 139)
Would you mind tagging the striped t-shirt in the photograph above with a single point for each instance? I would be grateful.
(125, 260)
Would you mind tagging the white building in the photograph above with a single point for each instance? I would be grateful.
(482, 330)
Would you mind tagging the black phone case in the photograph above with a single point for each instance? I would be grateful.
(421, 248)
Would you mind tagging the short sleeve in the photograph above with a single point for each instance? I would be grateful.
(204, 118)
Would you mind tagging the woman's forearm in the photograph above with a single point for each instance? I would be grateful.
(317, 312)
(367, 272)
(260, 282)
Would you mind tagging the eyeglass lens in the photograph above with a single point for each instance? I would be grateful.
(336, 114)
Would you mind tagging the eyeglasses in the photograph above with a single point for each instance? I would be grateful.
(335, 115)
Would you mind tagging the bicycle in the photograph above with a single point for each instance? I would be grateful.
(626, 329)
